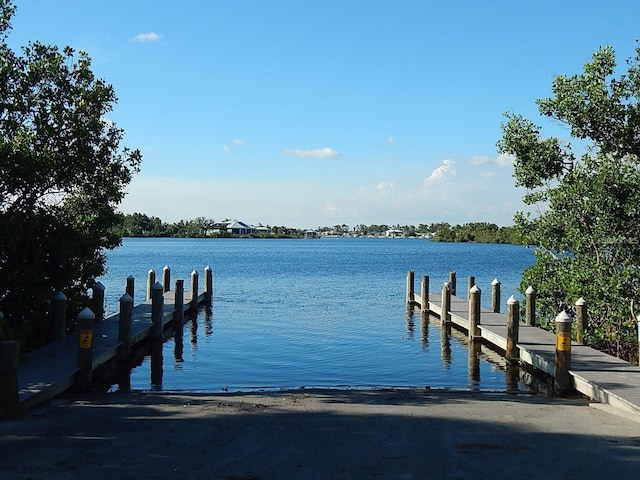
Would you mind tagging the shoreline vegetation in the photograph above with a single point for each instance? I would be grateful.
(141, 225)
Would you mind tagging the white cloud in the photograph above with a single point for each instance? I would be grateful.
(385, 186)
(226, 148)
(239, 142)
(479, 160)
(441, 173)
(391, 140)
(147, 37)
(505, 160)
(313, 153)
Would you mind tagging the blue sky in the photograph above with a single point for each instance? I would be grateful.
(313, 113)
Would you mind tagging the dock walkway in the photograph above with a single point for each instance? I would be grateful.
(51, 369)
(599, 376)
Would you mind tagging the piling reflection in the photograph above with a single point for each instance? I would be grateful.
(410, 323)
(178, 339)
(208, 321)
(513, 375)
(193, 330)
(424, 331)
(445, 345)
(155, 354)
(475, 350)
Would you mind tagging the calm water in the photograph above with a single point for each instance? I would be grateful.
(326, 313)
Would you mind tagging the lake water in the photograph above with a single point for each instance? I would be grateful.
(317, 313)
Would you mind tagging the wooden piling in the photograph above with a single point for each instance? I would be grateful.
(98, 301)
(208, 286)
(474, 313)
(470, 283)
(452, 282)
(445, 317)
(194, 290)
(495, 296)
(9, 395)
(130, 289)
(512, 352)
(166, 278)
(424, 296)
(581, 320)
(59, 310)
(530, 300)
(86, 320)
(410, 289)
(178, 321)
(178, 318)
(157, 310)
(151, 281)
(124, 325)
(563, 354)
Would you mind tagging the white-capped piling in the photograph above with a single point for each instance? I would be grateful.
(512, 352)
(86, 321)
(530, 305)
(474, 313)
(445, 317)
(208, 286)
(581, 320)
(563, 382)
(151, 281)
(98, 301)
(424, 296)
(495, 296)
(194, 290)
(410, 289)
(166, 278)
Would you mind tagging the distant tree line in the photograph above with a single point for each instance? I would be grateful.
(141, 225)
(480, 232)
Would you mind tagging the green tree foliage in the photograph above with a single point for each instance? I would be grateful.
(62, 173)
(587, 228)
(480, 232)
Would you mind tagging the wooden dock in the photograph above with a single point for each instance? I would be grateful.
(601, 377)
(54, 368)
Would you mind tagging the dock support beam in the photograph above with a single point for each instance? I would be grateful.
(470, 283)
